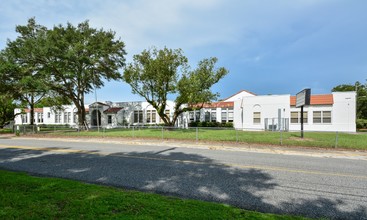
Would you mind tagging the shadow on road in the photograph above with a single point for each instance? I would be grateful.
(173, 173)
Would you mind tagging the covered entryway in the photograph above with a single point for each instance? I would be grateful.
(96, 118)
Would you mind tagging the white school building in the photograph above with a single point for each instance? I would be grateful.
(246, 110)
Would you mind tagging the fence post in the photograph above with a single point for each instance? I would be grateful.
(236, 135)
(197, 135)
(162, 134)
(133, 132)
(336, 139)
(281, 137)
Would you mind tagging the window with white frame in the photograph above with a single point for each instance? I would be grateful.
(207, 115)
(138, 116)
(257, 117)
(321, 117)
(213, 115)
(74, 117)
(57, 117)
(109, 119)
(296, 117)
(230, 114)
(224, 115)
(191, 115)
(24, 118)
(149, 116)
(40, 118)
(154, 116)
(197, 115)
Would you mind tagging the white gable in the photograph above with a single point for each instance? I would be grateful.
(238, 96)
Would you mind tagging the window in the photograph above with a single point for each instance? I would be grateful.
(191, 116)
(321, 117)
(24, 118)
(317, 117)
(197, 115)
(224, 115)
(296, 117)
(326, 116)
(48, 114)
(57, 117)
(40, 118)
(207, 116)
(230, 114)
(67, 117)
(154, 113)
(109, 119)
(257, 117)
(138, 116)
(149, 112)
(74, 117)
(213, 115)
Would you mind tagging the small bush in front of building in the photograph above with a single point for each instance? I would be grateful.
(210, 124)
(361, 123)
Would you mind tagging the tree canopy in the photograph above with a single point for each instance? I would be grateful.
(7, 106)
(361, 90)
(154, 74)
(69, 60)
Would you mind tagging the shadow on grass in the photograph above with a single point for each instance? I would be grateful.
(174, 173)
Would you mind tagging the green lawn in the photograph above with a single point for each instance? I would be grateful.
(27, 197)
(311, 139)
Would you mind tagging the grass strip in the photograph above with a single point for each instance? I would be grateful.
(27, 197)
(356, 141)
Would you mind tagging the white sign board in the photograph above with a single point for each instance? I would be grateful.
(303, 98)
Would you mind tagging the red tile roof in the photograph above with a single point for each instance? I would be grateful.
(217, 105)
(317, 100)
(112, 110)
(38, 110)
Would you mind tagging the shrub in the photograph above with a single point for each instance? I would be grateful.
(361, 123)
(210, 124)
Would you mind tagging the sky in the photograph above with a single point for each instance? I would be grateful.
(269, 47)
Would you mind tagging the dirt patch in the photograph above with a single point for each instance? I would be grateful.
(300, 139)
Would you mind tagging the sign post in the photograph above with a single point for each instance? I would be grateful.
(302, 99)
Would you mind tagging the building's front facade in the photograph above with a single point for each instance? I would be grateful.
(331, 112)
(247, 111)
(103, 114)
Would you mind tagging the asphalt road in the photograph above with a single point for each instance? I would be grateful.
(333, 188)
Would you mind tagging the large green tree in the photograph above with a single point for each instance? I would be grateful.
(72, 60)
(361, 98)
(25, 79)
(154, 74)
(7, 105)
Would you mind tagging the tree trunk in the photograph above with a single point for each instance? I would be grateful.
(81, 113)
(31, 122)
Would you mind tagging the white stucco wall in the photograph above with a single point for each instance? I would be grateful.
(343, 114)
(238, 96)
(267, 105)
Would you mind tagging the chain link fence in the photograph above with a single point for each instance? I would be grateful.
(208, 134)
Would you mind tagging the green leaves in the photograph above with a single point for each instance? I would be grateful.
(361, 90)
(156, 73)
(68, 60)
